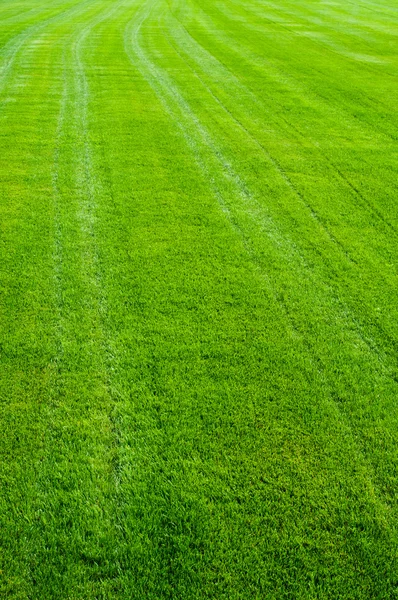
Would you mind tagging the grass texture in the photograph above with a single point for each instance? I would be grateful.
(198, 300)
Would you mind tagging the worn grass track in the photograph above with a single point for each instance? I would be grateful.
(198, 299)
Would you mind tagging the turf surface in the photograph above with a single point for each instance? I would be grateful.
(198, 299)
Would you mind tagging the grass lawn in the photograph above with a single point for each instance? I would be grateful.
(198, 300)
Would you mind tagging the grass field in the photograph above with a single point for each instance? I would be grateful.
(198, 299)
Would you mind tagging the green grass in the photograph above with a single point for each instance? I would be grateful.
(198, 300)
